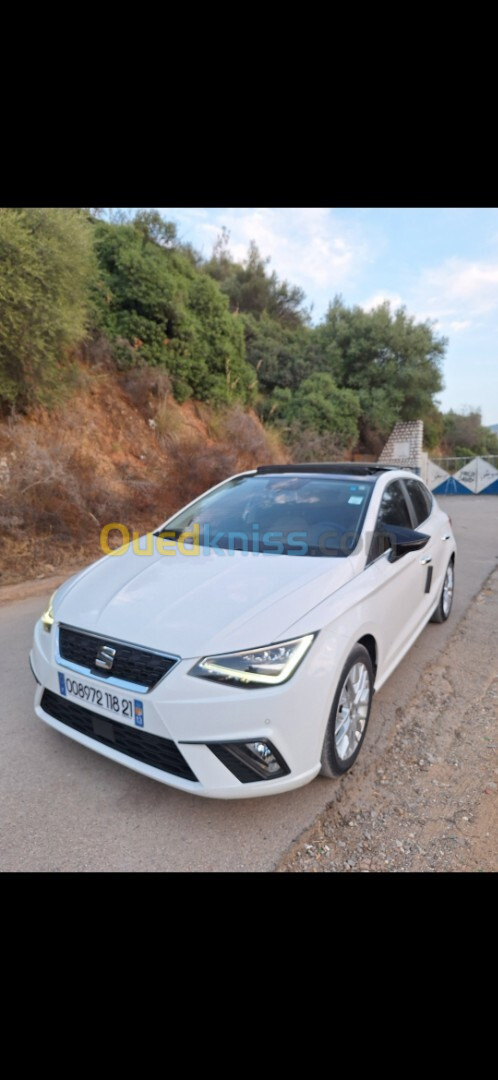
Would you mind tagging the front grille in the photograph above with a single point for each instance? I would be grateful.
(151, 749)
(131, 664)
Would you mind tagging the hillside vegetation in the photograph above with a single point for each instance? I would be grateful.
(121, 450)
(133, 374)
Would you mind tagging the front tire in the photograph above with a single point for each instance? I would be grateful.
(443, 609)
(349, 714)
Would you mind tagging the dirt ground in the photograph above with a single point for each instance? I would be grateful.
(42, 586)
(432, 804)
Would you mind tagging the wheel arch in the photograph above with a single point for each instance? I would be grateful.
(370, 644)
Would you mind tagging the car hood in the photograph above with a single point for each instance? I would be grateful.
(197, 604)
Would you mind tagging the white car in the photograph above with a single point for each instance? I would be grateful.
(237, 654)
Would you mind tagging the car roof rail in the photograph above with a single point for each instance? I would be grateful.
(348, 468)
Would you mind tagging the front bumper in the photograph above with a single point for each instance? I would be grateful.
(199, 717)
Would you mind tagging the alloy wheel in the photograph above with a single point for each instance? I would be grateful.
(448, 590)
(352, 711)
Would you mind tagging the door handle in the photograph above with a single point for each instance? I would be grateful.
(426, 559)
(447, 537)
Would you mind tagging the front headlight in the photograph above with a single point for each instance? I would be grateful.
(268, 666)
(47, 618)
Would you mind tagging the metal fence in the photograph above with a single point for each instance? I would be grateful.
(463, 475)
(453, 464)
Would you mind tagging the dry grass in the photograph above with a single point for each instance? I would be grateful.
(118, 451)
(310, 446)
(146, 388)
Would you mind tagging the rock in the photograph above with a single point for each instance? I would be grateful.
(4, 472)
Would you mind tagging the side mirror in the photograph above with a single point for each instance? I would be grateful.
(403, 541)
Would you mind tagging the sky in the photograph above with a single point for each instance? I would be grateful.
(441, 264)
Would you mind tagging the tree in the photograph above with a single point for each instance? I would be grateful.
(223, 330)
(390, 360)
(464, 434)
(320, 406)
(212, 341)
(277, 352)
(92, 211)
(323, 406)
(157, 307)
(250, 287)
(154, 227)
(433, 428)
(46, 266)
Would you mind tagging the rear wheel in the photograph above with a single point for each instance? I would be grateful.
(349, 714)
(443, 609)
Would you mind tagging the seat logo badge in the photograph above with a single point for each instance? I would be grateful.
(105, 658)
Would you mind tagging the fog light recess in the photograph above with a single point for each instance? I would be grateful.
(251, 761)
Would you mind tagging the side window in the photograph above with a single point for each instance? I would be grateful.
(393, 511)
(422, 501)
(393, 508)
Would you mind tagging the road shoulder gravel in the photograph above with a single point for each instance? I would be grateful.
(432, 803)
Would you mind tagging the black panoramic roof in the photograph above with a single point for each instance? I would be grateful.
(330, 468)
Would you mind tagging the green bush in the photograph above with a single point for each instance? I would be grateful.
(322, 407)
(158, 308)
(46, 265)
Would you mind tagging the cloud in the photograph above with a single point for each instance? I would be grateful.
(301, 242)
(455, 295)
(394, 299)
(457, 326)
(458, 287)
(306, 245)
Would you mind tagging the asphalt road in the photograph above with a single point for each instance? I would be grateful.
(63, 807)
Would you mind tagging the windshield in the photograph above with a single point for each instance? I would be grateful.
(279, 515)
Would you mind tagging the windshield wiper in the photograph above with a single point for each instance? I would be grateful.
(171, 534)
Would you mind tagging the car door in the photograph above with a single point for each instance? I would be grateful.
(397, 601)
(432, 520)
(426, 520)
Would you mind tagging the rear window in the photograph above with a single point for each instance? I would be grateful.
(421, 499)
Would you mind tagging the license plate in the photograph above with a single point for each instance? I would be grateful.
(126, 707)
